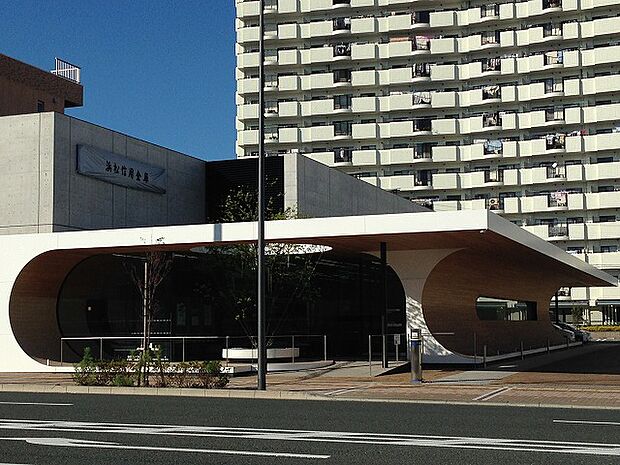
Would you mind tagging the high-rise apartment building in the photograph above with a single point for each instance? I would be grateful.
(512, 106)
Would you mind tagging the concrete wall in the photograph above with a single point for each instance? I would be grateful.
(41, 191)
(315, 191)
(26, 173)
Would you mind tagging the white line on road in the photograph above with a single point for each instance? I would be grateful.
(65, 442)
(47, 404)
(490, 395)
(589, 422)
(310, 436)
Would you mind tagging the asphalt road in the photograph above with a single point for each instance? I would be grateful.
(98, 429)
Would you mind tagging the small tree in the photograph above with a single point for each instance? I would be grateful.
(147, 279)
(289, 269)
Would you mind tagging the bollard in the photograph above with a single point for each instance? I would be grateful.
(369, 355)
(325, 347)
(415, 349)
(293, 345)
(100, 348)
(384, 357)
(475, 352)
(567, 343)
(484, 356)
(227, 345)
(548, 347)
(521, 350)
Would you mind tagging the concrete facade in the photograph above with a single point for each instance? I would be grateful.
(42, 192)
(316, 192)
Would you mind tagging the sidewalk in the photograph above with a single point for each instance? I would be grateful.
(528, 383)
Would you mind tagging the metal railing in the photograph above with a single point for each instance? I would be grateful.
(318, 341)
(67, 70)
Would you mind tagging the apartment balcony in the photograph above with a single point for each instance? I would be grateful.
(288, 6)
(247, 137)
(400, 183)
(248, 34)
(601, 142)
(365, 131)
(249, 111)
(289, 109)
(444, 126)
(364, 51)
(318, 81)
(445, 154)
(602, 200)
(289, 57)
(289, 83)
(512, 205)
(364, 78)
(247, 86)
(365, 104)
(446, 181)
(444, 100)
(248, 9)
(289, 135)
(601, 171)
(365, 157)
(364, 25)
(446, 205)
(599, 231)
(474, 204)
(318, 133)
(248, 60)
(317, 107)
(444, 73)
(443, 19)
(443, 46)
(272, 137)
(289, 31)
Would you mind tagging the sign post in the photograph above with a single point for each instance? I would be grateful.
(415, 355)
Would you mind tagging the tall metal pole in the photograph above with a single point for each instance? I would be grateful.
(383, 296)
(261, 301)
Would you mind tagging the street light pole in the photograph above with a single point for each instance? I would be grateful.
(261, 301)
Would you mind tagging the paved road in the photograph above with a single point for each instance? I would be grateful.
(99, 429)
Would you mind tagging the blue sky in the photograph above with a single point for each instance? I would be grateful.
(159, 70)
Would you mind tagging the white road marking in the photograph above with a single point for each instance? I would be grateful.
(589, 422)
(310, 436)
(490, 395)
(65, 442)
(47, 404)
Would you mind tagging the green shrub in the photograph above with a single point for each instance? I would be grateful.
(85, 372)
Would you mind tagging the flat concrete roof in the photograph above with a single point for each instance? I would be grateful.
(479, 230)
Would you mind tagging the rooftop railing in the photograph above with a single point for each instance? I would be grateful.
(67, 70)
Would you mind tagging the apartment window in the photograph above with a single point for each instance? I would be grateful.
(40, 106)
(422, 151)
(491, 64)
(421, 70)
(607, 219)
(575, 220)
(342, 24)
(552, 85)
(421, 17)
(343, 155)
(554, 58)
(557, 199)
(490, 10)
(552, 30)
(605, 160)
(490, 37)
(421, 43)
(422, 125)
(552, 114)
(342, 50)
(493, 147)
(491, 92)
(550, 4)
(342, 128)
(555, 141)
(342, 75)
(341, 2)
(342, 102)
(605, 189)
(609, 248)
(493, 175)
(574, 250)
(491, 119)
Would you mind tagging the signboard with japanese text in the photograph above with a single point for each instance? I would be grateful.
(122, 171)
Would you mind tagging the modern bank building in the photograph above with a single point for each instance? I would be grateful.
(350, 263)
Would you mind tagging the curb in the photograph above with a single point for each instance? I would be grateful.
(264, 395)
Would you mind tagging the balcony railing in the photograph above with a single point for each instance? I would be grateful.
(552, 4)
(493, 147)
(342, 24)
(495, 203)
(556, 172)
(558, 230)
(557, 200)
(343, 156)
(421, 17)
(555, 141)
(491, 64)
(342, 50)
(491, 120)
(421, 125)
(488, 11)
(342, 75)
(420, 43)
(67, 70)
(491, 92)
(421, 70)
(494, 176)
